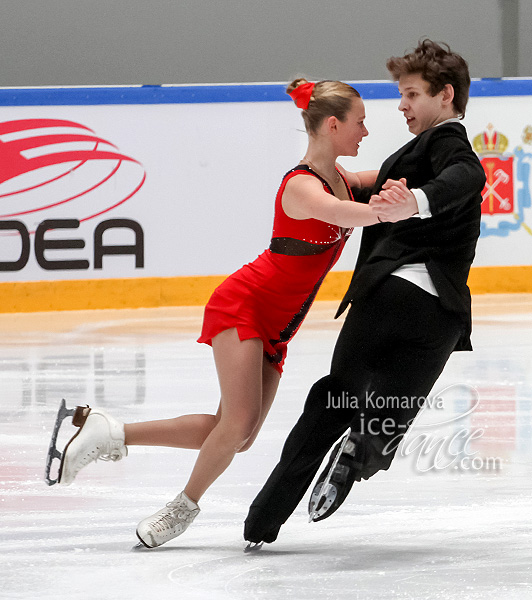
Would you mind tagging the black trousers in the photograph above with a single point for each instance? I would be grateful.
(391, 350)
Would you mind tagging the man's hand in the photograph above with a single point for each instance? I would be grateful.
(395, 202)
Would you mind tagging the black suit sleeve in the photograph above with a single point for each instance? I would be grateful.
(459, 176)
(362, 195)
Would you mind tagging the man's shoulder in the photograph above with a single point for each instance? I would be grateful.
(452, 133)
(443, 139)
(445, 130)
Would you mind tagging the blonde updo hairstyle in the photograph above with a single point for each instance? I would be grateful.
(328, 99)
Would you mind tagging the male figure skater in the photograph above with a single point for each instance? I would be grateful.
(410, 304)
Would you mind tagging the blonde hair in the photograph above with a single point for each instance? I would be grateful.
(328, 99)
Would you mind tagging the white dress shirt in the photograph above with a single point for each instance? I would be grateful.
(417, 273)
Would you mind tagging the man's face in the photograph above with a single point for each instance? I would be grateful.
(421, 110)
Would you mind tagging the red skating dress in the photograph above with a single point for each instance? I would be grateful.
(270, 297)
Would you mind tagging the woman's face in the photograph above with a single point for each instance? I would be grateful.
(351, 131)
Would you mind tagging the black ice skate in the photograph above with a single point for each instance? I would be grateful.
(335, 481)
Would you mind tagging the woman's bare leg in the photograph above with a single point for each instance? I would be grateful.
(244, 404)
(270, 384)
(249, 382)
(187, 431)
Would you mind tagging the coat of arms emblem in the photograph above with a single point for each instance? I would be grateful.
(502, 208)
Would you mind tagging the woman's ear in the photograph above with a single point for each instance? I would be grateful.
(332, 124)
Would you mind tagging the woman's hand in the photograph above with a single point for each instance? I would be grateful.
(395, 202)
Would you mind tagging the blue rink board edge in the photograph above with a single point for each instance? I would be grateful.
(194, 94)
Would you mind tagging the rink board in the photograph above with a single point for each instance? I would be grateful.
(149, 195)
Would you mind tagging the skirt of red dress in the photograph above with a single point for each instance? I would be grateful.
(262, 299)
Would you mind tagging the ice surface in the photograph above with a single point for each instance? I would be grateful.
(429, 528)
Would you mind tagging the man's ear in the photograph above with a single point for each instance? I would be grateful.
(447, 94)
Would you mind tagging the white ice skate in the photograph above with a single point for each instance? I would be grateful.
(100, 437)
(169, 522)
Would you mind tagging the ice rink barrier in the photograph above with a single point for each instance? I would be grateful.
(149, 195)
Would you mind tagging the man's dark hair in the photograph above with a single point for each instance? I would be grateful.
(438, 66)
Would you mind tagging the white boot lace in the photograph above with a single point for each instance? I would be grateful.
(177, 514)
(106, 452)
(112, 452)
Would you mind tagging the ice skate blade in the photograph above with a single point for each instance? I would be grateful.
(142, 544)
(253, 547)
(79, 416)
(323, 504)
(53, 452)
(140, 547)
(320, 501)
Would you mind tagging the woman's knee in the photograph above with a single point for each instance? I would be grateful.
(239, 434)
(248, 443)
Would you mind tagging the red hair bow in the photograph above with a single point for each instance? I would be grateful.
(301, 95)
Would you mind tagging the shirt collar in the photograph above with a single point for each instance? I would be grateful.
(451, 120)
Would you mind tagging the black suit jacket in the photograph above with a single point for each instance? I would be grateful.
(442, 163)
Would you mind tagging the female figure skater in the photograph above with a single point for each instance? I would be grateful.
(250, 317)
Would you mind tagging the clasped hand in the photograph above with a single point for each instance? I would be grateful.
(395, 201)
